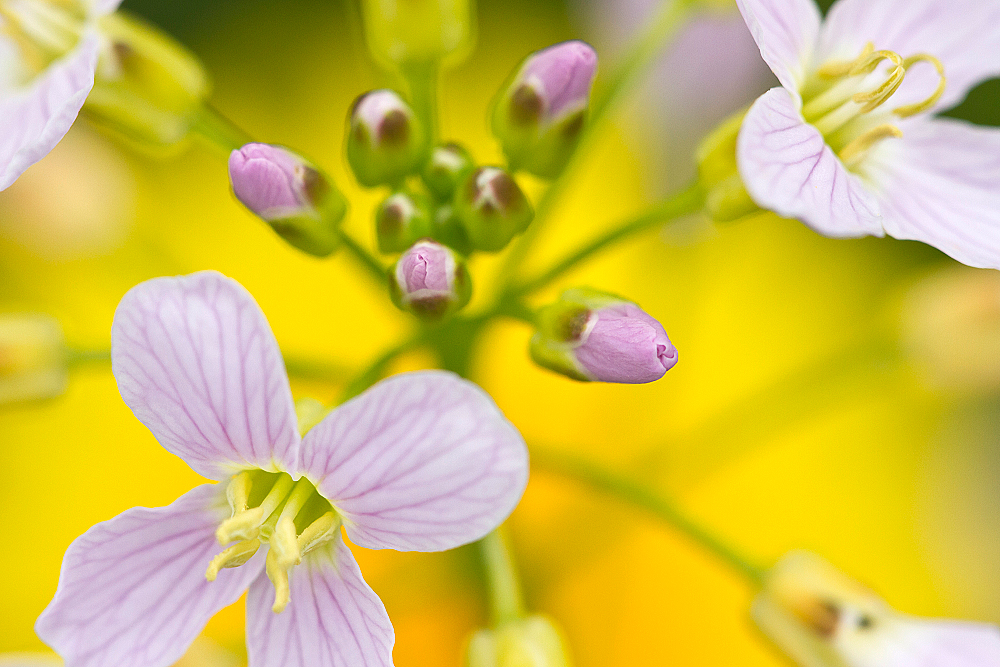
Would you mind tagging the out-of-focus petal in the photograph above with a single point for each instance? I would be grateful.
(909, 642)
(334, 619)
(102, 7)
(788, 168)
(420, 462)
(29, 660)
(196, 361)
(34, 119)
(786, 32)
(132, 590)
(963, 34)
(940, 185)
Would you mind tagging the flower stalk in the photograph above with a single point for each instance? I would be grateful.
(503, 584)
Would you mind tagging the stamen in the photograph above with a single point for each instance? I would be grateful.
(246, 525)
(236, 555)
(238, 492)
(912, 109)
(279, 578)
(849, 153)
(835, 69)
(49, 28)
(875, 98)
(319, 531)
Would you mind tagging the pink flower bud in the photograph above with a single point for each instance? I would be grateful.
(624, 344)
(556, 80)
(385, 141)
(430, 281)
(272, 182)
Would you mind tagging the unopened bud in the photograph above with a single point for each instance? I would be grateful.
(403, 33)
(33, 358)
(446, 168)
(492, 208)
(148, 87)
(726, 198)
(296, 199)
(402, 220)
(819, 616)
(590, 335)
(385, 141)
(528, 642)
(430, 281)
(541, 114)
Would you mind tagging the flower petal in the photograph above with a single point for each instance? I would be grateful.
(786, 32)
(420, 462)
(963, 34)
(132, 590)
(196, 361)
(788, 168)
(334, 619)
(102, 7)
(909, 642)
(37, 117)
(940, 186)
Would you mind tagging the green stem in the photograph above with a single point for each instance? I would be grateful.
(638, 58)
(365, 258)
(76, 357)
(313, 369)
(423, 82)
(219, 131)
(625, 489)
(502, 581)
(374, 372)
(684, 203)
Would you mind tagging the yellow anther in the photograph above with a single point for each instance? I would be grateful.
(319, 531)
(285, 544)
(279, 578)
(246, 525)
(875, 98)
(234, 556)
(912, 109)
(238, 492)
(835, 69)
(849, 153)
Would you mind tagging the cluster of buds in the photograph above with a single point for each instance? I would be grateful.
(295, 198)
(594, 336)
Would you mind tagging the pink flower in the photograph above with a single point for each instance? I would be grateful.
(48, 56)
(421, 461)
(849, 143)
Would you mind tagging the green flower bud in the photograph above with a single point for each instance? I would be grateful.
(401, 33)
(540, 115)
(446, 168)
(402, 220)
(492, 208)
(430, 280)
(385, 141)
(529, 642)
(147, 87)
(33, 358)
(725, 196)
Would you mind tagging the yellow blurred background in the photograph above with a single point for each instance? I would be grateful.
(796, 418)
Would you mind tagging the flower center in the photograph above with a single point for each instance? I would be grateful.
(290, 516)
(44, 30)
(845, 100)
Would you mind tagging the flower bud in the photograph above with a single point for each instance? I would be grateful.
(590, 335)
(446, 168)
(726, 198)
(403, 33)
(385, 141)
(402, 220)
(297, 200)
(33, 358)
(528, 642)
(447, 229)
(147, 87)
(540, 115)
(492, 208)
(430, 281)
(819, 617)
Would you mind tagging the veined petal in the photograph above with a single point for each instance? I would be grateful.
(786, 32)
(940, 185)
(334, 619)
(35, 118)
(196, 361)
(420, 462)
(912, 642)
(963, 34)
(132, 590)
(787, 167)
